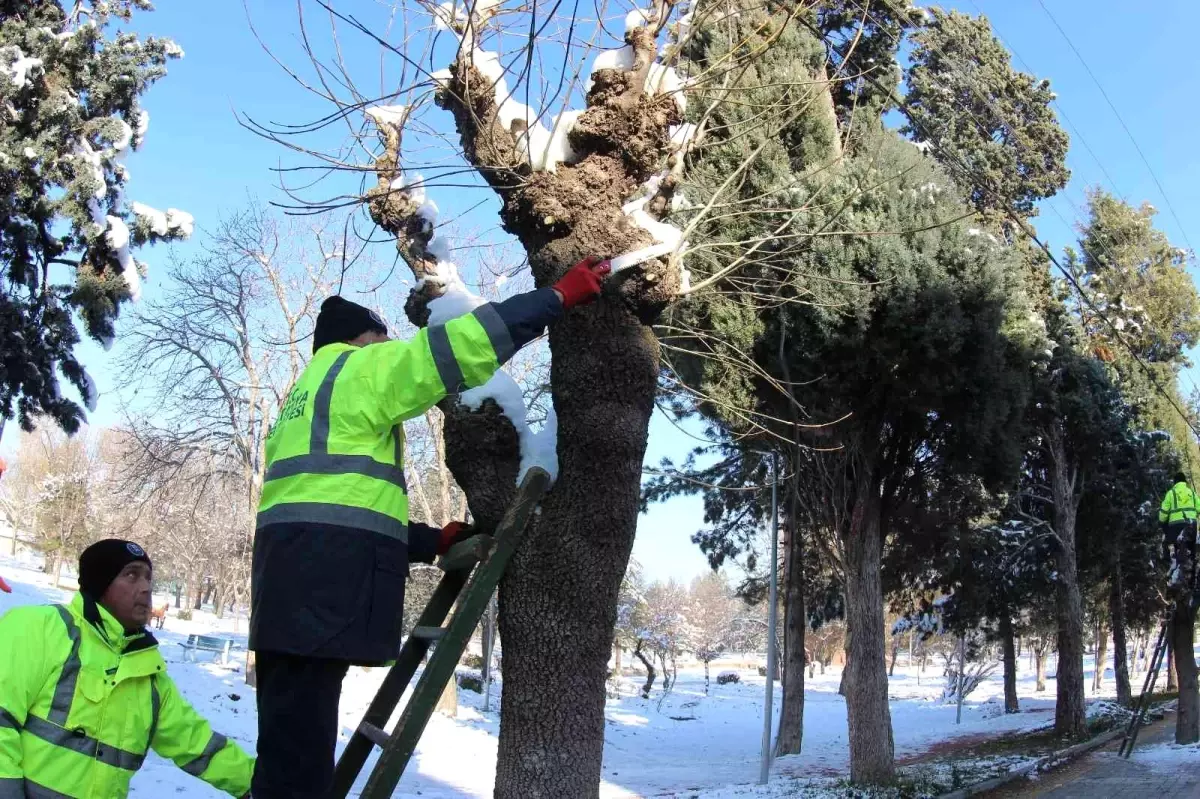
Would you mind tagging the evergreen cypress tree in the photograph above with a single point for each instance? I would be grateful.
(70, 81)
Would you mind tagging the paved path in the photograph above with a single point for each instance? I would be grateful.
(1152, 773)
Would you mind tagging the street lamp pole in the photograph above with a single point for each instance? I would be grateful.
(764, 773)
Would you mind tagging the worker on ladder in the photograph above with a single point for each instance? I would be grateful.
(333, 539)
(1177, 517)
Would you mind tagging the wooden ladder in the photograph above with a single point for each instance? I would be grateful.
(472, 588)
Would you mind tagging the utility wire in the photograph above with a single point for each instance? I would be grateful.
(1120, 119)
(1024, 225)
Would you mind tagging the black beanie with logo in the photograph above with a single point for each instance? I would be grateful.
(341, 320)
(100, 564)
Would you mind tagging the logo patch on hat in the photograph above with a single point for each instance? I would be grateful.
(376, 318)
(135, 550)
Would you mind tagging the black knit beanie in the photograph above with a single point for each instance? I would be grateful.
(342, 320)
(100, 564)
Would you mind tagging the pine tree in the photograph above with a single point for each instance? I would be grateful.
(981, 117)
(70, 84)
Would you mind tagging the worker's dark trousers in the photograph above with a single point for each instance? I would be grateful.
(297, 725)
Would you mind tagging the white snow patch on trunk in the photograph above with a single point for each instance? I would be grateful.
(387, 114)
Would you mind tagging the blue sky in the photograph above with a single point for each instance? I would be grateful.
(197, 157)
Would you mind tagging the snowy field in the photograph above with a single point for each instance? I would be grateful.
(694, 746)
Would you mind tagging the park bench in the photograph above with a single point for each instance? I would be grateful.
(208, 643)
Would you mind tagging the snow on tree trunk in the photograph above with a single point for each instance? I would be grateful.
(1187, 721)
(790, 738)
(706, 677)
(1116, 611)
(1069, 714)
(1039, 657)
(1172, 679)
(558, 597)
(1011, 704)
(871, 747)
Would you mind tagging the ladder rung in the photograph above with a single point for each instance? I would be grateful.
(377, 736)
(428, 633)
(466, 554)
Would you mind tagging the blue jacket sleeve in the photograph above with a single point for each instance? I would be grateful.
(527, 315)
(423, 542)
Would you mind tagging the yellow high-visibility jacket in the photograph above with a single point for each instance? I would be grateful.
(1179, 505)
(81, 703)
(333, 539)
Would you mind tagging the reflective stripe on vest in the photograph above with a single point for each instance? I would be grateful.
(198, 766)
(78, 741)
(1176, 508)
(318, 460)
(448, 367)
(35, 791)
(64, 689)
(53, 730)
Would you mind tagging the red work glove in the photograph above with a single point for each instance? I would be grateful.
(581, 284)
(4, 586)
(452, 533)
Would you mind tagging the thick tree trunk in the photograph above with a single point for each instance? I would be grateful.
(1172, 681)
(1039, 658)
(1069, 715)
(1011, 704)
(1101, 655)
(558, 599)
(872, 753)
(1187, 720)
(790, 738)
(178, 594)
(1116, 612)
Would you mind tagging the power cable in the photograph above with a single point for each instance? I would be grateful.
(1024, 225)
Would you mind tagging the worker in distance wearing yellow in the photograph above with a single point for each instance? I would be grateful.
(1177, 517)
(333, 539)
(84, 692)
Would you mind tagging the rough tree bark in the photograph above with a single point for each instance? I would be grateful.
(1182, 632)
(872, 753)
(1116, 611)
(1187, 720)
(1069, 714)
(558, 597)
(1172, 679)
(790, 738)
(1011, 705)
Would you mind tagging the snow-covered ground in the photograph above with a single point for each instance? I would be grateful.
(693, 745)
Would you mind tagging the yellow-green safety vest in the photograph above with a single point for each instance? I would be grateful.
(1178, 505)
(335, 455)
(80, 705)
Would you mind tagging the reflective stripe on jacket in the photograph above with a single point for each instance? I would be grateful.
(81, 703)
(334, 538)
(1178, 505)
(335, 453)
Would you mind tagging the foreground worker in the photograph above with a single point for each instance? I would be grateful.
(1177, 516)
(84, 692)
(333, 539)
